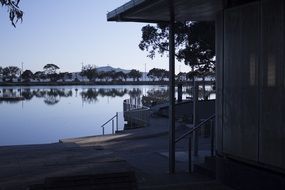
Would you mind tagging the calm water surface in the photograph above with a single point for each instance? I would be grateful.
(47, 114)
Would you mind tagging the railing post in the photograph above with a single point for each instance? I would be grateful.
(113, 126)
(117, 123)
(212, 137)
(195, 117)
(190, 155)
(103, 130)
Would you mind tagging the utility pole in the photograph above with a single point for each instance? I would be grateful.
(145, 72)
(21, 72)
(82, 65)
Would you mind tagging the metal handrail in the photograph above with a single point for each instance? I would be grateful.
(135, 114)
(112, 119)
(108, 121)
(200, 125)
(135, 107)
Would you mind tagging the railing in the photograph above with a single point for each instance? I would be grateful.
(136, 115)
(133, 116)
(113, 124)
(194, 130)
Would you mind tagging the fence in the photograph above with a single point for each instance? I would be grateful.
(135, 115)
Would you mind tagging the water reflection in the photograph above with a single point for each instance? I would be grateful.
(90, 95)
(67, 111)
(155, 96)
(52, 96)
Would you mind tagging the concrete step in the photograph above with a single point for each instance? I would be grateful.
(107, 181)
(209, 185)
(207, 168)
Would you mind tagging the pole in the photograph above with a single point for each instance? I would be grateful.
(22, 66)
(171, 88)
(117, 123)
(195, 117)
(212, 137)
(113, 129)
(144, 71)
(190, 155)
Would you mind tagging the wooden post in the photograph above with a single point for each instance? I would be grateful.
(195, 117)
(171, 87)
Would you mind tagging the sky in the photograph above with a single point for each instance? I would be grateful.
(71, 32)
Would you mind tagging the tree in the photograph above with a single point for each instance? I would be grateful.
(27, 75)
(1, 72)
(50, 70)
(110, 75)
(89, 71)
(121, 75)
(181, 76)
(194, 42)
(190, 75)
(39, 75)
(107, 75)
(160, 74)
(65, 75)
(68, 75)
(10, 73)
(15, 13)
(135, 74)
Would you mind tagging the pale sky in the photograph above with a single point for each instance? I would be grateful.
(69, 32)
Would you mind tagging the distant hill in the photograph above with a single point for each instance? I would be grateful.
(109, 68)
(106, 69)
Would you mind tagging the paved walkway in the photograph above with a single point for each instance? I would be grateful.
(141, 150)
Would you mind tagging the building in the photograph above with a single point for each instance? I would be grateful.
(250, 76)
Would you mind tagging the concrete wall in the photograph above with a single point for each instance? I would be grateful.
(251, 82)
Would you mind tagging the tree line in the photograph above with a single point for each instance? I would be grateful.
(50, 73)
(8, 74)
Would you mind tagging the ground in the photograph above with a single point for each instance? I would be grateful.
(141, 150)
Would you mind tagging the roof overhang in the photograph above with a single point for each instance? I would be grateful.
(156, 11)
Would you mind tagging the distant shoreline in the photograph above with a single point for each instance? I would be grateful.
(90, 83)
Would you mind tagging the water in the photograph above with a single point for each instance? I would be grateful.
(48, 114)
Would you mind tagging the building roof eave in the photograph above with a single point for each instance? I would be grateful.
(157, 11)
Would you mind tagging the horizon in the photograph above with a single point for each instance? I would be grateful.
(69, 33)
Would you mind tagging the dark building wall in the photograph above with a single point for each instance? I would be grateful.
(251, 82)
(272, 71)
(241, 49)
(219, 80)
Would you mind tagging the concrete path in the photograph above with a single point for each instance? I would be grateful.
(141, 150)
